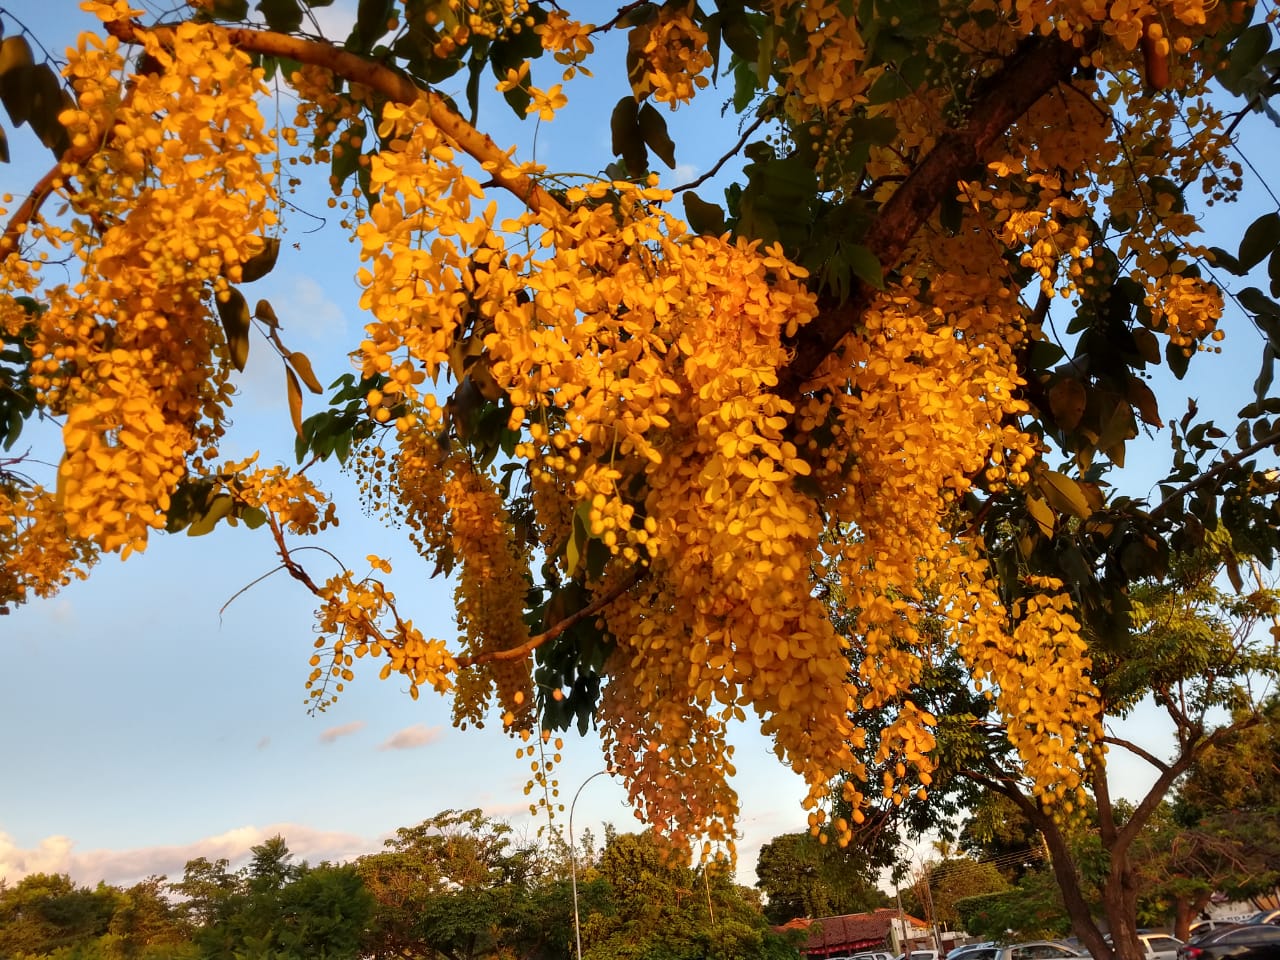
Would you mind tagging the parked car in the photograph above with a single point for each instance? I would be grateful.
(1263, 916)
(1156, 945)
(1202, 927)
(1030, 950)
(873, 955)
(1159, 946)
(1249, 941)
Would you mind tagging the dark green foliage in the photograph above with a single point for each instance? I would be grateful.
(802, 877)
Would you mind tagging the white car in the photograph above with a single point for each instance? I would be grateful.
(1159, 946)
(1156, 946)
(1031, 950)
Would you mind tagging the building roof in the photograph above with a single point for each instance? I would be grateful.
(847, 934)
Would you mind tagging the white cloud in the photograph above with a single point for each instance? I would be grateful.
(309, 311)
(57, 854)
(345, 730)
(419, 735)
(683, 173)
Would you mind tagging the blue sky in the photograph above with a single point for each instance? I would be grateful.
(143, 728)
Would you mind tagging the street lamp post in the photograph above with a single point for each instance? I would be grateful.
(573, 860)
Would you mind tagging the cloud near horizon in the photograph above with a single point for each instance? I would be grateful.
(57, 854)
(410, 738)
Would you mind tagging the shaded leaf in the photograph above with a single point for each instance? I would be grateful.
(261, 263)
(1067, 401)
(234, 314)
(284, 16)
(1259, 240)
(628, 141)
(653, 129)
(703, 217)
(264, 312)
(865, 265)
(1063, 493)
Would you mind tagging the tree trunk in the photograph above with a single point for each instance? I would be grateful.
(1120, 904)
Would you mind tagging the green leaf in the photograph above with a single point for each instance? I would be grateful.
(1259, 240)
(1273, 272)
(703, 217)
(744, 86)
(1148, 345)
(653, 129)
(865, 265)
(576, 544)
(283, 16)
(628, 141)
(253, 517)
(234, 314)
(1042, 515)
(264, 312)
(1246, 53)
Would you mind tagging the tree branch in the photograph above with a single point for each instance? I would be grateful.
(725, 159)
(1138, 751)
(555, 630)
(383, 80)
(1039, 65)
(1270, 440)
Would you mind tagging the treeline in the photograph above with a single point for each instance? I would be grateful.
(459, 886)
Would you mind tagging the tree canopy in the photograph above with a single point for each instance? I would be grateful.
(638, 425)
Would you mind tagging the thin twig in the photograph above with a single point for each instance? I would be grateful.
(1212, 473)
(742, 141)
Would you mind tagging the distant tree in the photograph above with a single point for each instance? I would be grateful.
(144, 920)
(946, 881)
(996, 831)
(664, 909)
(459, 886)
(43, 912)
(802, 877)
(275, 909)
(204, 890)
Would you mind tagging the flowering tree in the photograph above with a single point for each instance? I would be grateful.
(638, 439)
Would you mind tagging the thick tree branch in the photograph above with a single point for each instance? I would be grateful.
(383, 80)
(1037, 67)
(1138, 751)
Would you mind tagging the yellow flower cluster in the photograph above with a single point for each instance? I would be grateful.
(291, 498)
(128, 352)
(568, 40)
(676, 57)
(459, 518)
(349, 624)
(638, 366)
